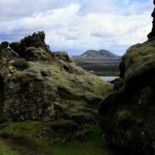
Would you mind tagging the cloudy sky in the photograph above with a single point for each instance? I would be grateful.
(78, 25)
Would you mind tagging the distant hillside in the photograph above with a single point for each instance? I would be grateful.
(93, 54)
(100, 62)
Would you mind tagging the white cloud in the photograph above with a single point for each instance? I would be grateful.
(77, 27)
(16, 9)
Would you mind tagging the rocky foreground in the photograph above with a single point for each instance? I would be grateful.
(37, 84)
(128, 114)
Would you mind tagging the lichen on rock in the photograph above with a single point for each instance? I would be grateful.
(37, 84)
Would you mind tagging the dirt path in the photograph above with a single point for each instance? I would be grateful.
(24, 148)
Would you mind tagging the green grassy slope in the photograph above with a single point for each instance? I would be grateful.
(40, 135)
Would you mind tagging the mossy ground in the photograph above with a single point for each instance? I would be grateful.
(5, 150)
(79, 83)
(41, 135)
(94, 145)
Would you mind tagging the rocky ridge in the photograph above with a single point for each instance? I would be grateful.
(37, 84)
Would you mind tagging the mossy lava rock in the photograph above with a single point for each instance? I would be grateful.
(38, 84)
(128, 114)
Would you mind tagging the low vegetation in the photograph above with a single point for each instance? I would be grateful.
(51, 142)
(6, 150)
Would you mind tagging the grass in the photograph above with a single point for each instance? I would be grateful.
(27, 132)
(94, 145)
(5, 150)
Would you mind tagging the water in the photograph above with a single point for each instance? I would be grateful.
(108, 78)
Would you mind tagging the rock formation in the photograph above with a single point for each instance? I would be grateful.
(151, 35)
(32, 47)
(128, 114)
(36, 84)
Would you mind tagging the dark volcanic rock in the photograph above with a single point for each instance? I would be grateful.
(128, 114)
(4, 44)
(20, 105)
(151, 35)
(32, 47)
(15, 46)
(41, 85)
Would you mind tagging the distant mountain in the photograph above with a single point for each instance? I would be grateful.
(93, 54)
(99, 62)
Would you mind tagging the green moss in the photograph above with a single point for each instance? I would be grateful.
(53, 141)
(93, 146)
(79, 85)
(74, 92)
(21, 130)
(139, 59)
(5, 150)
(69, 87)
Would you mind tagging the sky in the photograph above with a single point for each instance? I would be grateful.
(78, 25)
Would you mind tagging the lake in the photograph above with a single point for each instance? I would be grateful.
(108, 78)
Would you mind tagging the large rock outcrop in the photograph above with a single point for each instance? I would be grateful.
(151, 35)
(128, 114)
(32, 47)
(36, 84)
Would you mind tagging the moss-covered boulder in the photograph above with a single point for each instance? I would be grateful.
(38, 84)
(128, 114)
(139, 60)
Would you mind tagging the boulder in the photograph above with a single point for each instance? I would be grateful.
(6, 51)
(15, 46)
(128, 113)
(4, 44)
(151, 35)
